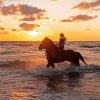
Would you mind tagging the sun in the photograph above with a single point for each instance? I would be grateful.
(33, 33)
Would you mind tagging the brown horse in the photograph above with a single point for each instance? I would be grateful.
(52, 52)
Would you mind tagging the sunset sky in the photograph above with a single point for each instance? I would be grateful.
(32, 20)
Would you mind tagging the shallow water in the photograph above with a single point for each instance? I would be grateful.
(24, 76)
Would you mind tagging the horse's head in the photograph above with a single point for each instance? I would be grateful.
(45, 43)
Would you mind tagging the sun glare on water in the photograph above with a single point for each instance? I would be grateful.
(33, 33)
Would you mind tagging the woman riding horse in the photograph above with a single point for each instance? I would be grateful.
(61, 45)
(53, 54)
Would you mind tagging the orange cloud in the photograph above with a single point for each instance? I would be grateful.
(20, 9)
(88, 29)
(1, 1)
(8, 10)
(14, 30)
(87, 5)
(37, 17)
(28, 19)
(1, 28)
(29, 10)
(79, 18)
(28, 27)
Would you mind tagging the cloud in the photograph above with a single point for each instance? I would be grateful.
(22, 9)
(28, 19)
(29, 10)
(28, 27)
(41, 16)
(1, 1)
(14, 30)
(96, 9)
(87, 5)
(8, 10)
(79, 18)
(67, 20)
(88, 29)
(38, 17)
(1, 28)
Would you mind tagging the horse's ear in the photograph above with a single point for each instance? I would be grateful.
(48, 37)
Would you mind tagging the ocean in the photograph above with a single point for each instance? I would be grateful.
(24, 75)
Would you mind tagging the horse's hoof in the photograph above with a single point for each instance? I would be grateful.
(47, 66)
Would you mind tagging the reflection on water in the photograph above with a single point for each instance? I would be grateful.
(74, 81)
(53, 82)
(57, 83)
(19, 95)
(24, 85)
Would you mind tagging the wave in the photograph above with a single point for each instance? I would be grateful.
(19, 43)
(86, 69)
(42, 70)
(8, 52)
(89, 46)
(13, 64)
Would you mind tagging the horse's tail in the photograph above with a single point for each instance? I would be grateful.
(81, 58)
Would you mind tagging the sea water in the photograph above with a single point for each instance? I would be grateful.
(24, 75)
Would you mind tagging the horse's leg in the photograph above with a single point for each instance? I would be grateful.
(48, 65)
(76, 62)
(53, 65)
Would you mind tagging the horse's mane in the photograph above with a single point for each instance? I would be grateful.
(51, 41)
